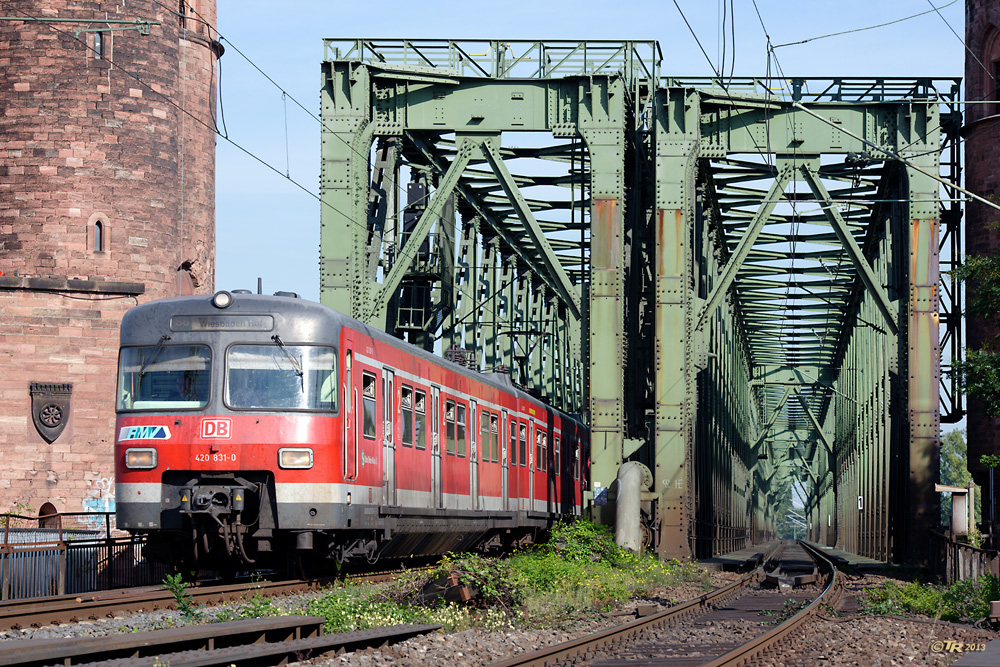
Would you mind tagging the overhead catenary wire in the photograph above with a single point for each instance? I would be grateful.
(871, 27)
(285, 96)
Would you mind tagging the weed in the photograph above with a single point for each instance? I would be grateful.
(963, 601)
(579, 569)
(182, 600)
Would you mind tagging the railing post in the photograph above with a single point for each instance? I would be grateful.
(5, 560)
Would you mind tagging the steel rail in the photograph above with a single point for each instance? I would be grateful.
(62, 609)
(260, 641)
(830, 595)
(560, 652)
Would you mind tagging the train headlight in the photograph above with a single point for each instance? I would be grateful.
(140, 458)
(295, 457)
(222, 299)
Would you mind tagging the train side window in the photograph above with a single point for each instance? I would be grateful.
(512, 451)
(368, 385)
(461, 430)
(539, 461)
(494, 435)
(420, 428)
(524, 444)
(484, 436)
(513, 437)
(406, 413)
(544, 440)
(576, 460)
(449, 430)
(556, 452)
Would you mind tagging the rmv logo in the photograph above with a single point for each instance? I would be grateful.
(144, 433)
(217, 428)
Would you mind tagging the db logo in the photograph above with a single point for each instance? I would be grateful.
(216, 428)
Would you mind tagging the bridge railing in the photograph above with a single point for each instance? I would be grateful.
(953, 561)
(506, 59)
(40, 557)
(851, 90)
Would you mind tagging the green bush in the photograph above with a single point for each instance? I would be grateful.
(963, 601)
(579, 568)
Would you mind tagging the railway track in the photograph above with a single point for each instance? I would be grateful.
(58, 610)
(738, 624)
(260, 642)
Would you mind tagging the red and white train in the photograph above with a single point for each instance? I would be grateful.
(252, 428)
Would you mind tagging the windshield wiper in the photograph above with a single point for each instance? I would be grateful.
(159, 348)
(295, 362)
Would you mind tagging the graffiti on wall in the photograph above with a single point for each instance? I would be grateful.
(100, 499)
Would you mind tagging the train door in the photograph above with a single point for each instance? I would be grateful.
(504, 470)
(388, 439)
(474, 454)
(436, 447)
(528, 433)
(350, 412)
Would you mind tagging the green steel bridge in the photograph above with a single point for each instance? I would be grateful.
(740, 283)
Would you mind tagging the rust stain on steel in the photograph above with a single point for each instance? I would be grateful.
(669, 243)
(606, 251)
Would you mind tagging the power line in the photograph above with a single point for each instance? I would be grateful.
(871, 27)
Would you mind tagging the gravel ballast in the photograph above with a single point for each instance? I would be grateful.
(846, 640)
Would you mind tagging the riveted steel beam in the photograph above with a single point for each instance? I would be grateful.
(735, 262)
(555, 270)
(853, 250)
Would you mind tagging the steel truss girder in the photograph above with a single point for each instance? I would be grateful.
(763, 266)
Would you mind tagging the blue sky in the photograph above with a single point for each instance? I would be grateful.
(268, 227)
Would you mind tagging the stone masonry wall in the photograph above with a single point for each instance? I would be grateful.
(982, 176)
(106, 200)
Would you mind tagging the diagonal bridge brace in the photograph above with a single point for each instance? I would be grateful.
(450, 177)
(552, 265)
(725, 281)
(843, 232)
(433, 211)
(767, 426)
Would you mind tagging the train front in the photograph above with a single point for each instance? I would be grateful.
(227, 427)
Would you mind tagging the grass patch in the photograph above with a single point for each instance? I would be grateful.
(961, 602)
(579, 569)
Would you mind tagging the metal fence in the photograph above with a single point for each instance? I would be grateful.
(953, 561)
(41, 557)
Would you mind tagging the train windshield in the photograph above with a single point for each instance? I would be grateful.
(281, 377)
(164, 377)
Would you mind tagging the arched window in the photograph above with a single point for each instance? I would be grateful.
(98, 233)
(47, 516)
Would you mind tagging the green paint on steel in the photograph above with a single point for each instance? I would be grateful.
(670, 257)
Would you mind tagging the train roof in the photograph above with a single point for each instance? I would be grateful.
(299, 320)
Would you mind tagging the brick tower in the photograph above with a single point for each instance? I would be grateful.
(107, 171)
(982, 223)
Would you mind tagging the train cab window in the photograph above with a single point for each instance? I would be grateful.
(460, 443)
(524, 443)
(368, 385)
(420, 420)
(494, 435)
(279, 376)
(449, 431)
(555, 451)
(406, 413)
(164, 377)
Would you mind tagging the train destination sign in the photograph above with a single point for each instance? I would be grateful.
(221, 323)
